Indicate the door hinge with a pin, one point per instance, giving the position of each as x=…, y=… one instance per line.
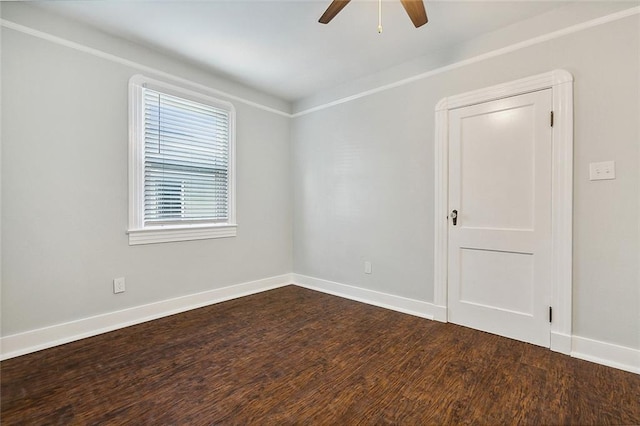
x=551, y=119
x=550, y=313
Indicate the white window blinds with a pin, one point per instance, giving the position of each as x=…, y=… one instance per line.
x=186, y=160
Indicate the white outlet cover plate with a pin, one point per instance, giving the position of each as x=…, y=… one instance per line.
x=604, y=170
x=118, y=285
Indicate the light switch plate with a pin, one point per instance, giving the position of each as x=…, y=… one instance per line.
x=602, y=171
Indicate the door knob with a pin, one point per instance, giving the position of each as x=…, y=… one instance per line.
x=454, y=217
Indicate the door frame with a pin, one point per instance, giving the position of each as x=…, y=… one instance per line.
x=560, y=291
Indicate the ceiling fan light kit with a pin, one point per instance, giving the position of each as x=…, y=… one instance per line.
x=414, y=8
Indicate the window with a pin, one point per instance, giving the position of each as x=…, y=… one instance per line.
x=181, y=157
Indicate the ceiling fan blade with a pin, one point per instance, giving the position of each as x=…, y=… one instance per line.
x=415, y=10
x=334, y=8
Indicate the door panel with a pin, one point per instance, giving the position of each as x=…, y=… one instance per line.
x=498, y=279
x=497, y=178
x=500, y=185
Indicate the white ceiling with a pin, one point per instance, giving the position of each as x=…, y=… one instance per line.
x=280, y=48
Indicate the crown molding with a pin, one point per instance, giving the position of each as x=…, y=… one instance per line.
x=488, y=55
x=136, y=65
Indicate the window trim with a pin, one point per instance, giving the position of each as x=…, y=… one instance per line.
x=137, y=231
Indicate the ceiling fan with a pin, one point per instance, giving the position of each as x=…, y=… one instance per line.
x=415, y=9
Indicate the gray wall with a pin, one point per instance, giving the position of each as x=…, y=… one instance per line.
x=65, y=192
x=364, y=178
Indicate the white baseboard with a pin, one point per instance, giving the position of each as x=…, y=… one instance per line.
x=384, y=300
x=620, y=357
x=608, y=354
x=59, y=334
x=560, y=343
x=440, y=313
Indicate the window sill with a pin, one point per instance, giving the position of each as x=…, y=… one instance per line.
x=166, y=234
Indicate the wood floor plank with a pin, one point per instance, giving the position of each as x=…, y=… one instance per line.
x=295, y=356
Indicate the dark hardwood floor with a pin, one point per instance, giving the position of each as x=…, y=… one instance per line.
x=294, y=356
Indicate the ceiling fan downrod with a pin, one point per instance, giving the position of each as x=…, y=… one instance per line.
x=414, y=8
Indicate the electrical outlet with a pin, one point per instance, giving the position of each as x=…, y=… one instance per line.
x=367, y=267
x=602, y=171
x=118, y=285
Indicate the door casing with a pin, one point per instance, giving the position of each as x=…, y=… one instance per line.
x=561, y=83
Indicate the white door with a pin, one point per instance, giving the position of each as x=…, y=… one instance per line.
x=500, y=245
